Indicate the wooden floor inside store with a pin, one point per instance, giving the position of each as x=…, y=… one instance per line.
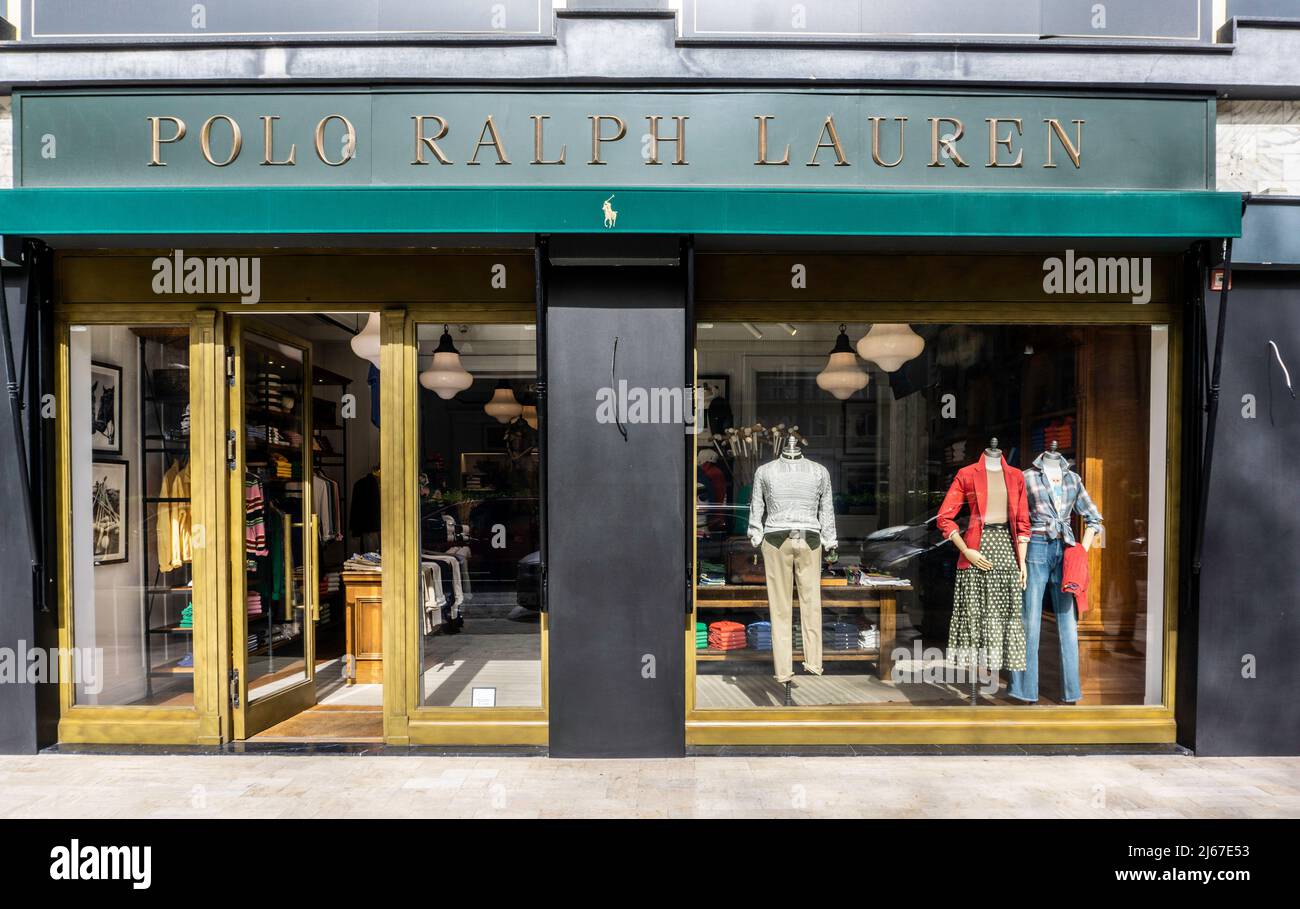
x=329, y=723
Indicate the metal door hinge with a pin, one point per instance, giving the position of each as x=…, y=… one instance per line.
x=230, y=449
x=230, y=366
x=234, y=687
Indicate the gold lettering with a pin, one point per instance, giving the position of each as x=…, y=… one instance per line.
x=349, y=148
x=597, y=135
x=762, y=142
x=489, y=126
x=949, y=142
x=995, y=141
x=537, y=142
x=205, y=140
x=268, y=145
x=155, y=129
x=430, y=142
x=828, y=129
x=875, y=141
x=679, y=140
x=1074, y=150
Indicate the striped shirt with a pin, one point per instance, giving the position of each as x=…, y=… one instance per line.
x=1049, y=514
x=792, y=494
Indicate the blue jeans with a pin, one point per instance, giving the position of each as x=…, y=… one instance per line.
x=1043, y=561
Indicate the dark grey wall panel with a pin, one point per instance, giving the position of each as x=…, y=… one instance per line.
x=1270, y=233
x=1250, y=584
x=1265, y=9
x=17, y=625
x=616, y=520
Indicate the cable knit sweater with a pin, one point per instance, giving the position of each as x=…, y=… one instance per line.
x=792, y=494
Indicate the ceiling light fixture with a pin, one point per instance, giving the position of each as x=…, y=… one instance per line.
x=842, y=375
x=446, y=376
x=889, y=346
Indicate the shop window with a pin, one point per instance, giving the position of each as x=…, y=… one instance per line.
x=479, y=574
x=861, y=437
x=131, y=561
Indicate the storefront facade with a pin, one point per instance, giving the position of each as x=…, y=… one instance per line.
x=585, y=311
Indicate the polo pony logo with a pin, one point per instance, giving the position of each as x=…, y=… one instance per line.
x=611, y=216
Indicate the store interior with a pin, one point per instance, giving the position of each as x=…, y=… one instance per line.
x=893, y=412
x=310, y=383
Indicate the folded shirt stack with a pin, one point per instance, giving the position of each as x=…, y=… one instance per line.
x=759, y=636
x=839, y=636
x=701, y=636
x=869, y=638
x=254, y=603
x=727, y=636
x=187, y=616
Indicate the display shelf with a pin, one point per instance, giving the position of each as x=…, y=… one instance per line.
x=173, y=628
x=747, y=655
x=835, y=594
x=172, y=667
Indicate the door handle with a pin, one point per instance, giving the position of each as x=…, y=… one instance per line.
x=312, y=580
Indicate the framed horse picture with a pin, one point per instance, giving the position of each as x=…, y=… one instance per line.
x=106, y=408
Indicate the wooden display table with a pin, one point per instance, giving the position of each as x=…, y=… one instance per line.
x=364, y=599
x=836, y=594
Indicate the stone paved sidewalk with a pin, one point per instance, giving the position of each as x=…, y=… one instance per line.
x=269, y=786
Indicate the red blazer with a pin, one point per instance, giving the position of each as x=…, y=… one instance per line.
x=971, y=489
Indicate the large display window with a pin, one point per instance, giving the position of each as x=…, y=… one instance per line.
x=131, y=518
x=930, y=514
x=479, y=566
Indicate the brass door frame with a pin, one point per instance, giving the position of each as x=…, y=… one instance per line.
x=204, y=723
x=891, y=724
x=248, y=719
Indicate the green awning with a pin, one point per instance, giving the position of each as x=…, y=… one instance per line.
x=42, y=212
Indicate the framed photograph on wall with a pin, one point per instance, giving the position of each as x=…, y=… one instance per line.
x=716, y=385
x=860, y=428
x=106, y=408
x=109, y=504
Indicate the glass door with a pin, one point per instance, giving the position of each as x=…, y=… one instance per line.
x=274, y=539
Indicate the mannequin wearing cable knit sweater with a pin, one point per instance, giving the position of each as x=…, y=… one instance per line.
x=792, y=519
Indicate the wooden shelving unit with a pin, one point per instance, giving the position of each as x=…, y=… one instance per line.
x=835, y=595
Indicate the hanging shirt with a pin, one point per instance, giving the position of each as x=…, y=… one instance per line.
x=792, y=494
x=166, y=545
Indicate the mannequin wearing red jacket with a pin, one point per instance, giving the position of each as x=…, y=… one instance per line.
x=986, y=628
x=970, y=489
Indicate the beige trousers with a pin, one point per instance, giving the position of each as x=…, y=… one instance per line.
x=794, y=562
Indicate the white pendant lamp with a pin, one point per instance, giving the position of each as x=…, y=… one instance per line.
x=842, y=375
x=530, y=415
x=890, y=346
x=366, y=344
x=446, y=377
x=504, y=406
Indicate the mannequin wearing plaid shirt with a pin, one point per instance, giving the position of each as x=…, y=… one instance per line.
x=1051, y=504
x=1055, y=492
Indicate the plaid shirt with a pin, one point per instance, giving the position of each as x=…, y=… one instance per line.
x=1044, y=518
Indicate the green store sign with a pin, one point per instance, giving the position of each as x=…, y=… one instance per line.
x=527, y=138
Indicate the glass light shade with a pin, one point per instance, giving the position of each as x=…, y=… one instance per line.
x=842, y=375
x=366, y=344
x=890, y=346
x=446, y=377
x=530, y=415
x=503, y=406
